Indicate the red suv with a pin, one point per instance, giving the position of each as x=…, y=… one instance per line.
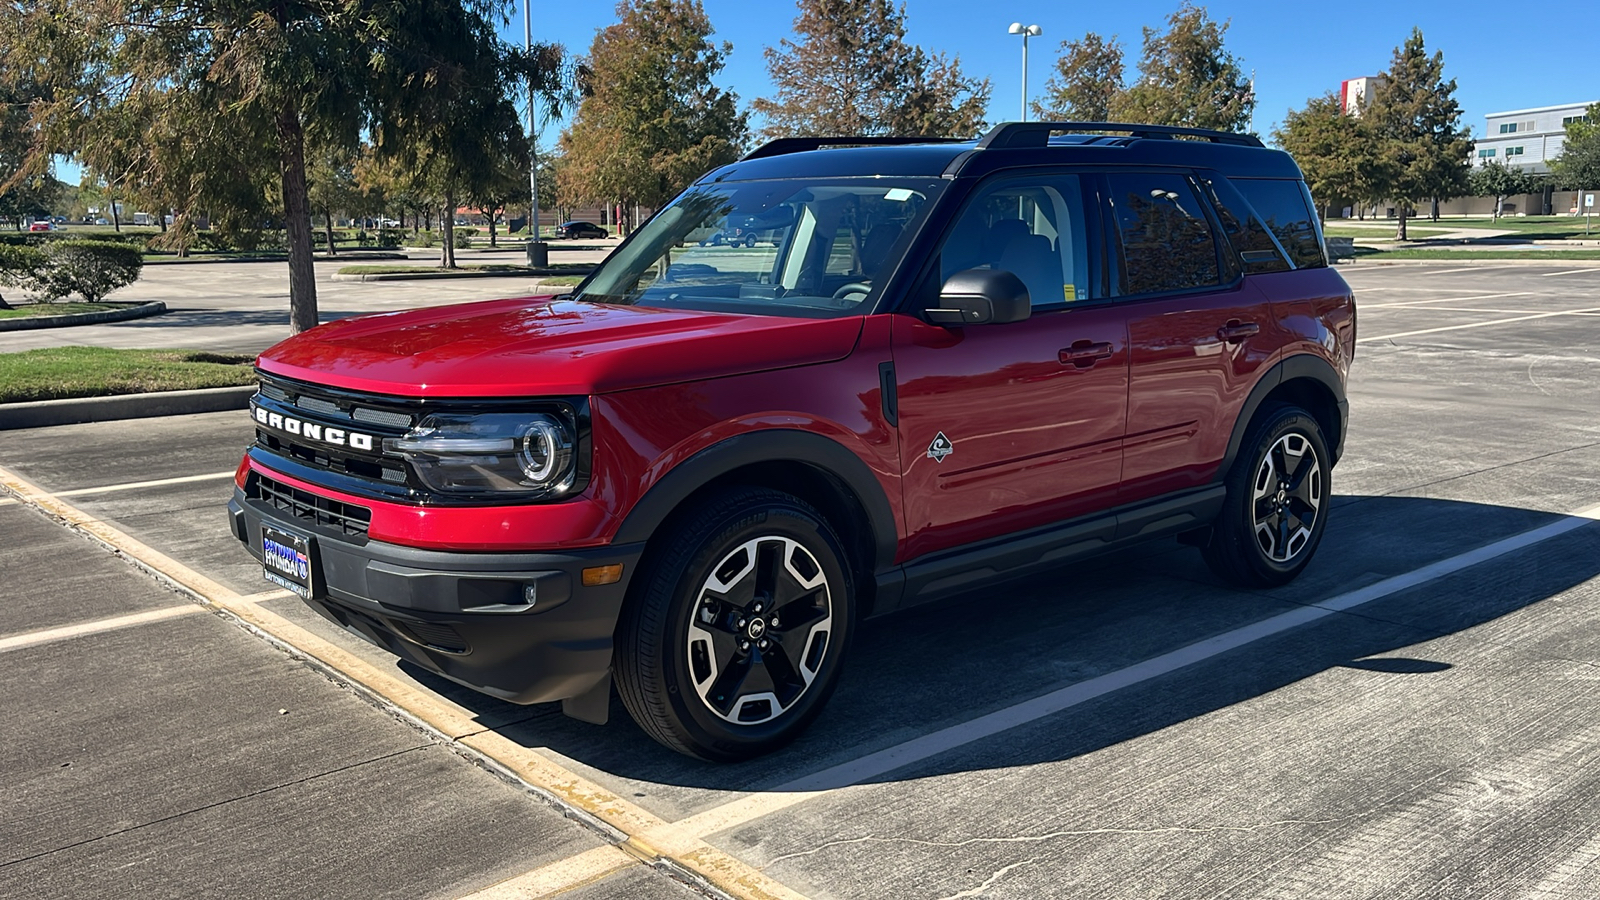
x=957, y=362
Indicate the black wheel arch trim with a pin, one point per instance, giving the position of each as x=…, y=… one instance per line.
x=1299, y=366
x=776, y=445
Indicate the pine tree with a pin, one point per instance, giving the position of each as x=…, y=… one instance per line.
x=1087, y=82
x=1187, y=77
x=652, y=121
x=852, y=73
x=1420, y=143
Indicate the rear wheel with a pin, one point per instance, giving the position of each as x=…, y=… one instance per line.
x=734, y=638
x=1277, y=505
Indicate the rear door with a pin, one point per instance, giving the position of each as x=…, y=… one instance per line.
x=1007, y=427
x=1198, y=332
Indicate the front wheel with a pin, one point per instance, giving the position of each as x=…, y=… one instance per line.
x=1277, y=504
x=735, y=636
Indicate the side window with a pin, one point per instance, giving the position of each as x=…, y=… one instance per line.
x=1250, y=239
x=1033, y=228
x=1167, y=242
x=1286, y=210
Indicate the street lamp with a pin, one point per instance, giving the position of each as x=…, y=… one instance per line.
x=1026, y=31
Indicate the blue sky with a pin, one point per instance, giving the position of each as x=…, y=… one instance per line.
x=1503, y=55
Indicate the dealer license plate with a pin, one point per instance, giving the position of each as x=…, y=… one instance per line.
x=286, y=559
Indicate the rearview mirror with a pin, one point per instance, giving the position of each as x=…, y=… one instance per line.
x=981, y=297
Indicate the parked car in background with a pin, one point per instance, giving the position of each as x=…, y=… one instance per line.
x=572, y=230
x=39, y=226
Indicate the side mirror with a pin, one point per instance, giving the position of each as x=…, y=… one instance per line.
x=981, y=297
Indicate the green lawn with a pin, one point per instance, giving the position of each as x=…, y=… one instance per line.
x=1438, y=253
x=61, y=372
x=1531, y=227
x=1380, y=234
x=54, y=309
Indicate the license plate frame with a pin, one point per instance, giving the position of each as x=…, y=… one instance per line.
x=288, y=560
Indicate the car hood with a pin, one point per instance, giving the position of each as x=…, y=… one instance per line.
x=541, y=346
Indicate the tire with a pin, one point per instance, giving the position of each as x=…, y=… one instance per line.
x=1277, y=504
x=736, y=629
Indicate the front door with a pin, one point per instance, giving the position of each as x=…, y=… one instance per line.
x=1008, y=427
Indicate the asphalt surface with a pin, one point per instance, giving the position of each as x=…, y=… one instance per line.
x=243, y=307
x=1416, y=716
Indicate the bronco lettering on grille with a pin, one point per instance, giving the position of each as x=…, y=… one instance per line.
x=337, y=437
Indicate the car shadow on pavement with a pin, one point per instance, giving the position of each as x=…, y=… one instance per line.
x=931, y=667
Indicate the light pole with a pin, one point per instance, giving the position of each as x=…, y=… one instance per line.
x=1026, y=31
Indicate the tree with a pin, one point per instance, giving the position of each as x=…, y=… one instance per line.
x=1332, y=149
x=1578, y=166
x=1416, y=123
x=1498, y=180
x=852, y=73
x=272, y=73
x=1187, y=78
x=1087, y=82
x=652, y=121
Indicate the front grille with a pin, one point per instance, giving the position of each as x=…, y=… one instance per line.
x=324, y=409
x=321, y=512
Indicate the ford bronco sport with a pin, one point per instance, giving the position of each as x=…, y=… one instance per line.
x=957, y=362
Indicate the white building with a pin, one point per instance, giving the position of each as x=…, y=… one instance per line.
x=1527, y=138
x=1355, y=94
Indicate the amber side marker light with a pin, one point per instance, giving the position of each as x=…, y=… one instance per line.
x=598, y=575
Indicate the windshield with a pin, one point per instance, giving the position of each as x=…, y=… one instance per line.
x=784, y=248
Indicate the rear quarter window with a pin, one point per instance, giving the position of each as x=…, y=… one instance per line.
x=1286, y=210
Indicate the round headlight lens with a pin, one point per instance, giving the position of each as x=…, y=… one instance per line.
x=540, y=451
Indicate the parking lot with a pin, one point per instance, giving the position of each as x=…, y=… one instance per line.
x=1417, y=716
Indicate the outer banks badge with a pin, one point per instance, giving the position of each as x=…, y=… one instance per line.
x=940, y=448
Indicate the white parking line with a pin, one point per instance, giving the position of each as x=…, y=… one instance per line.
x=1568, y=272
x=842, y=776
x=99, y=626
x=1401, y=334
x=563, y=875
x=134, y=485
x=1470, y=269
x=1366, y=307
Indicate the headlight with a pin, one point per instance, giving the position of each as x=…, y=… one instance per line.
x=491, y=453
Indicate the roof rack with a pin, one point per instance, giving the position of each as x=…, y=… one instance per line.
x=1037, y=134
x=780, y=146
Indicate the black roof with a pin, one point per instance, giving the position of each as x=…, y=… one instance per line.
x=1008, y=145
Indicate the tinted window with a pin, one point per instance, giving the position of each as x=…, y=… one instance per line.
x=1256, y=249
x=1032, y=228
x=1286, y=210
x=1167, y=243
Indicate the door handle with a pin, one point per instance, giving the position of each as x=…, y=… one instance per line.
x=1084, y=354
x=1236, y=331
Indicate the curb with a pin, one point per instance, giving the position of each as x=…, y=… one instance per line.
x=44, y=413
x=134, y=311
x=1487, y=263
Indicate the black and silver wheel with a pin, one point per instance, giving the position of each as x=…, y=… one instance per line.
x=1277, y=504
x=733, y=640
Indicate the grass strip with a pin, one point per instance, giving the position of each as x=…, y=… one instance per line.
x=1425, y=253
x=58, y=373
x=55, y=309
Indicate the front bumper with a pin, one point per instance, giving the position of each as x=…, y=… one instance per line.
x=465, y=616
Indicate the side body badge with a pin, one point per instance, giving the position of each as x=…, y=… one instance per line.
x=940, y=448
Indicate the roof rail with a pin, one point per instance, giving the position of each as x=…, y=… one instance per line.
x=1037, y=134
x=780, y=146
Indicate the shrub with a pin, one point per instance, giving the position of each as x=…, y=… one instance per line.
x=90, y=269
x=21, y=265
x=464, y=237
x=390, y=237
x=423, y=239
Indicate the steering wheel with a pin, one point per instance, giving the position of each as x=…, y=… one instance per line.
x=854, y=287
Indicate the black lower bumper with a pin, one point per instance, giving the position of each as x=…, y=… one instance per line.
x=518, y=626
